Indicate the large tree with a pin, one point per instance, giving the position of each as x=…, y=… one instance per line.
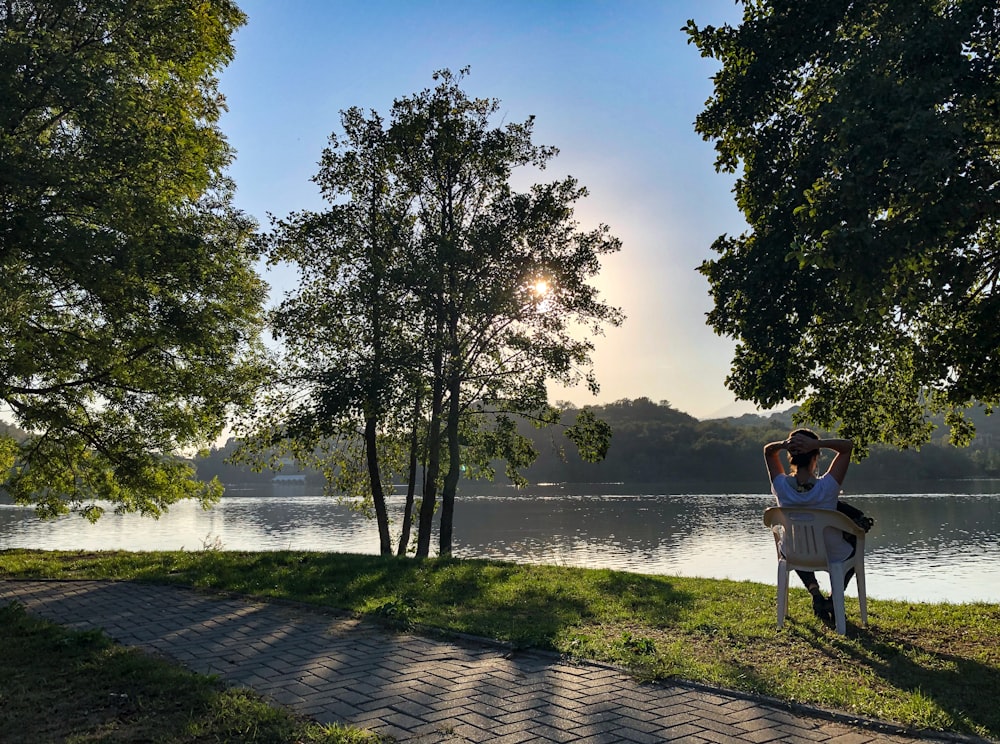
x=129, y=306
x=866, y=136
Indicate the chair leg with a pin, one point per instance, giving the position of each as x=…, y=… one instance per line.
x=782, y=591
x=837, y=595
x=859, y=578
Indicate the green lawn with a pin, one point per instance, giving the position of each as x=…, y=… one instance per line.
x=926, y=666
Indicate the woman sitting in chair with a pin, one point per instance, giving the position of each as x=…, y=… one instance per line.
x=801, y=487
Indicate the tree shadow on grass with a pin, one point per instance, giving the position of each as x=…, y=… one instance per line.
x=957, y=692
x=655, y=600
x=535, y=605
x=963, y=688
x=525, y=605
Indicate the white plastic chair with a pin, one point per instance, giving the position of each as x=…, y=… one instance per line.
x=798, y=538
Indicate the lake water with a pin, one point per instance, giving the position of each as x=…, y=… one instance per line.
x=930, y=547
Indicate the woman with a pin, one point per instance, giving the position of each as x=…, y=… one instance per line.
x=801, y=487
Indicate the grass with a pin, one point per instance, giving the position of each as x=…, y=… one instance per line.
x=76, y=687
x=925, y=666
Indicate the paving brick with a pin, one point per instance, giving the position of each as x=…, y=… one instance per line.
x=747, y=715
x=516, y=716
x=598, y=713
x=764, y=735
x=717, y=736
x=722, y=727
x=403, y=721
x=737, y=704
x=342, y=711
x=637, y=712
x=598, y=727
x=557, y=715
x=608, y=737
x=442, y=714
x=484, y=709
x=852, y=737
x=670, y=707
x=514, y=737
x=553, y=733
x=494, y=693
x=529, y=692
x=604, y=688
x=511, y=729
x=684, y=729
x=427, y=731
x=805, y=732
x=634, y=736
x=470, y=732
x=368, y=716
x=392, y=733
x=474, y=719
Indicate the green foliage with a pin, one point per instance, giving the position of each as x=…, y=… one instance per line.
x=128, y=300
x=866, y=141
x=591, y=435
x=488, y=437
x=8, y=453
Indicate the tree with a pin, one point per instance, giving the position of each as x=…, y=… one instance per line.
x=867, y=133
x=435, y=301
x=504, y=279
x=345, y=331
x=129, y=307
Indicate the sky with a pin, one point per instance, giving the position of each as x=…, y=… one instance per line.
x=612, y=83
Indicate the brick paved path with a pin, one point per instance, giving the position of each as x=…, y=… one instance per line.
x=335, y=668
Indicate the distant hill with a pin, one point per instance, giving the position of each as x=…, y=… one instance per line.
x=652, y=442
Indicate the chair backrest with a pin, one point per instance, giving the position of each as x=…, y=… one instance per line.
x=799, y=533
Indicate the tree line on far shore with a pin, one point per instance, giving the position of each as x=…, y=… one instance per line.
x=655, y=443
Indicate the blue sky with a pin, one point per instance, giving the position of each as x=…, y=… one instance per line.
x=613, y=84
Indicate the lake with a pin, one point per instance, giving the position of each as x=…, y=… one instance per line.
x=933, y=547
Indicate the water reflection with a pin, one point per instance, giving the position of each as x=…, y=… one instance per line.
x=925, y=547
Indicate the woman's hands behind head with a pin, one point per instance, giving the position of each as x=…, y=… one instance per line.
x=799, y=443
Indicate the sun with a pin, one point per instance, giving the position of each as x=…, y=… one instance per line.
x=540, y=287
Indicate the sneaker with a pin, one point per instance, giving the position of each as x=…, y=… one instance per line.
x=822, y=607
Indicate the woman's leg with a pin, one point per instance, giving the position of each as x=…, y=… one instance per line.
x=809, y=579
x=822, y=607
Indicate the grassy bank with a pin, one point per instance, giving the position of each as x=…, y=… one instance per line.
x=926, y=666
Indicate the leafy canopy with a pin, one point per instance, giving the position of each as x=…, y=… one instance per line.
x=128, y=299
x=866, y=139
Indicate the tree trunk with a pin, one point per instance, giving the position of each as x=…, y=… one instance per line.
x=454, y=467
x=428, y=501
x=378, y=495
x=429, y=498
x=411, y=480
x=373, y=414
